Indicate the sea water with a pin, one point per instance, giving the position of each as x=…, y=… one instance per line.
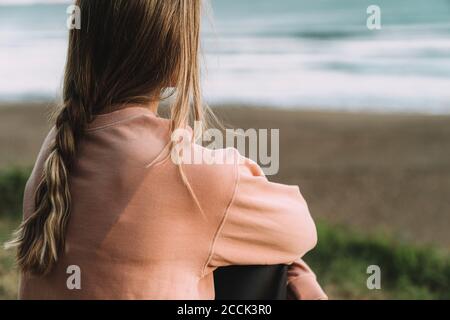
x=316, y=54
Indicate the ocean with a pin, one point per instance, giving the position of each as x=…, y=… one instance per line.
x=316, y=54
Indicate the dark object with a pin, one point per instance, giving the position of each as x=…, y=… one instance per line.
x=251, y=283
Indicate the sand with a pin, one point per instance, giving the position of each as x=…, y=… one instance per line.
x=373, y=172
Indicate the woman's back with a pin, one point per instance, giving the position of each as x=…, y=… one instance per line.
x=136, y=231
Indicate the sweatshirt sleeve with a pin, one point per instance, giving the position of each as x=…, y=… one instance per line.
x=302, y=283
x=265, y=224
x=36, y=174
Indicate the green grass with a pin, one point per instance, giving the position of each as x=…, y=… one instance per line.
x=407, y=272
x=8, y=275
x=12, y=185
x=340, y=260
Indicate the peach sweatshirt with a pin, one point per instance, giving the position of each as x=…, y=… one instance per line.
x=136, y=232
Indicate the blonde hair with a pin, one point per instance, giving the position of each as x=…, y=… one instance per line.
x=125, y=52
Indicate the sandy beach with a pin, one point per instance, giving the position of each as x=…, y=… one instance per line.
x=374, y=172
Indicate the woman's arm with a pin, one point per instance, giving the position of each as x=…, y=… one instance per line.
x=302, y=283
x=265, y=224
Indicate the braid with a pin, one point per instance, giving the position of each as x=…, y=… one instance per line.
x=41, y=238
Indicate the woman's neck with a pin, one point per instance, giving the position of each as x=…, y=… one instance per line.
x=152, y=106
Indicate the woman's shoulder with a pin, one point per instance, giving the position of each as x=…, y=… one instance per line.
x=213, y=170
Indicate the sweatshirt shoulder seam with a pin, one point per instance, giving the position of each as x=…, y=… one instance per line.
x=224, y=218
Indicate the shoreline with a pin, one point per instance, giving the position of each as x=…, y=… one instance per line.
x=4, y=105
x=374, y=172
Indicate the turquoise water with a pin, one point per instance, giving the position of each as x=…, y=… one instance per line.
x=292, y=53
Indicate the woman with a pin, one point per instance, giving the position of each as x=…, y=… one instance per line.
x=105, y=197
